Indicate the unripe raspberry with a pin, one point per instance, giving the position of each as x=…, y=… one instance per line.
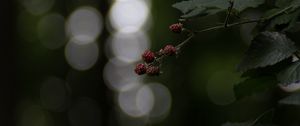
x=148, y=56
x=177, y=28
x=140, y=69
x=169, y=50
x=152, y=70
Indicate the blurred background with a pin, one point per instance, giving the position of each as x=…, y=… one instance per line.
x=70, y=63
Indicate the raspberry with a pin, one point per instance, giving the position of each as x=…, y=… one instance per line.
x=140, y=69
x=177, y=28
x=169, y=50
x=153, y=70
x=148, y=56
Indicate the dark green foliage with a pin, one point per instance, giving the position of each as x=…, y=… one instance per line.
x=254, y=85
x=291, y=74
x=193, y=8
x=293, y=99
x=268, y=60
x=268, y=70
x=267, y=48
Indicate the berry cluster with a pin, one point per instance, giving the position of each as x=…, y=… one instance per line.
x=152, y=59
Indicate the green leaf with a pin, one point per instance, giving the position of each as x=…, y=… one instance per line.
x=186, y=6
x=254, y=85
x=241, y=5
x=193, y=8
x=295, y=28
x=291, y=74
x=293, y=99
x=282, y=21
x=286, y=20
x=268, y=70
x=267, y=48
x=284, y=3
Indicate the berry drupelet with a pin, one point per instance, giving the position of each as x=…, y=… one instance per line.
x=148, y=56
x=169, y=50
x=140, y=69
x=176, y=28
x=153, y=70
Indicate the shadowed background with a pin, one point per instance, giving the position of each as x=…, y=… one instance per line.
x=70, y=63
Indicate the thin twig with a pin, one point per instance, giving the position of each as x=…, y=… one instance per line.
x=185, y=41
x=222, y=26
x=229, y=25
x=279, y=12
x=228, y=12
x=260, y=116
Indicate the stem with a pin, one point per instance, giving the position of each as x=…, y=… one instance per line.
x=279, y=12
x=185, y=41
x=228, y=13
x=260, y=116
x=229, y=25
x=211, y=29
x=222, y=26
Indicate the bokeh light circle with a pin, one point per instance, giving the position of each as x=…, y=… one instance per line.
x=120, y=76
x=30, y=114
x=220, y=87
x=85, y=24
x=128, y=47
x=129, y=16
x=163, y=101
x=145, y=99
x=51, y=31
x=81, y=56
x=137, y=102
x=37, y=7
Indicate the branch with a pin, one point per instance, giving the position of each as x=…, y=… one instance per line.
x=260, y=116
x=279, y=12
x=185, y=41
x=229, y=25
x=228, y=12
x=226, y=25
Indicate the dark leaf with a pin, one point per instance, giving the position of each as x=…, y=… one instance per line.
x=268, y=70
x=281, y=22
x=254, y=85
x=286, y=3
x=193, y=8
x=267, y=48
x=293, y=99
x=291, y=74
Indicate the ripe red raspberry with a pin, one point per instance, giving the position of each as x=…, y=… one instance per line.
x=140, y=69
x=177, y=28
x=148, y=56
x=153, y=70
x=169, y=50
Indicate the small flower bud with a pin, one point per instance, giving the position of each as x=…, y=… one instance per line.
x=148, y=56
x=176, y=28
x=169, y=50
x=152, y=70
x=140, y=69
